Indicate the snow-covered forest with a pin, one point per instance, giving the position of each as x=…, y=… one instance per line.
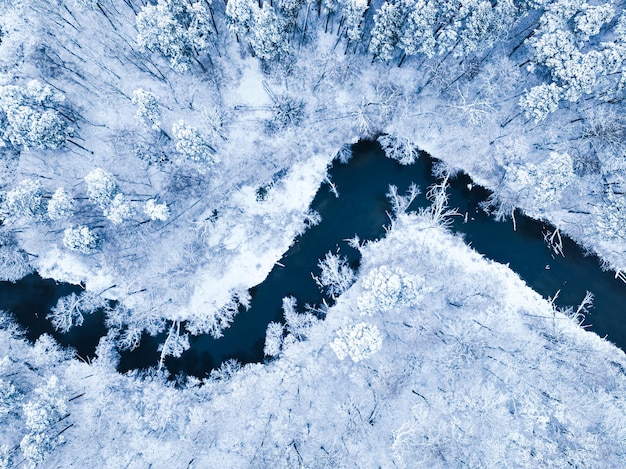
x=164, y=154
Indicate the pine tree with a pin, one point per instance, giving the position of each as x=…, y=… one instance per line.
x=540, y=101
x=387, y=31
x=42, y=413
x=418, y=34
x=61, y=205
x=192, y=146
x=30, y=118
x=268, y=37
x=354, y=10
x=101, y=187
x=178, y=30
x=80, y=239
x=148, y=108
x=240, y=15
x=24, y=200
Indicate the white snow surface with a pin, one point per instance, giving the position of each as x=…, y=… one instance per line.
x=475, y=370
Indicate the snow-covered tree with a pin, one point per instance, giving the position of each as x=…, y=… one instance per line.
x=545, y=181
x=70, y=310
x=540, y=101
x=354, y=10
x=80, y=239
x=480, y=23
x=175, y=343
x=388, y=287
x=47, y=352
x=297, y=325
x=387, y=31
x=418, y=32
x=43, y=412
x=398, y=148
x=118, y=210
x=148, y=108
x=336, y=276
x=289, y=9
x=101, y=187
x=268, y=37
x=590, y=20
x=34, y=129
x=61, y=205
x=240, y=15
x=14, y=262
x=192, y=146
x=358, y=341
x=156, y=211
x=273, y=339
x=66, y=313
x=24, y=200
x=30, y=116
x=10, y=399
x=178, y=30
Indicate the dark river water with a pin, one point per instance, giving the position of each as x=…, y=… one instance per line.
x=361, y=209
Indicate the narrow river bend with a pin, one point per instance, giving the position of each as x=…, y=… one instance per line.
x=361, y=209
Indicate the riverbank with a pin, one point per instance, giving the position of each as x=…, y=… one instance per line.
x=456, y=361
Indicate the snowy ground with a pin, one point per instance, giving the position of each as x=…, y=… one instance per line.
x=435, y=357
x=274, y=126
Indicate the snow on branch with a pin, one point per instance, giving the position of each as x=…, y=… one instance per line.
x=337, y=275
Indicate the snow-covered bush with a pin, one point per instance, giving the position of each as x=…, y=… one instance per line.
x=80, y=239
x=357, y=341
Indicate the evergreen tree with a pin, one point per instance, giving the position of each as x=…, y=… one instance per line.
x=178, y=30
x=61, y=205
x=24, y=200
x=387, y=31
x=42, y=413
x=148, y=109
x=101, y=187
x=268, y=37
x=354, y=10
x=240, y=15
x=192, y=146
x=418, y=33
x=30, y=116
x=80, y=239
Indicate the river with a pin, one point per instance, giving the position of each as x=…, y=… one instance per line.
x=361, y=209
